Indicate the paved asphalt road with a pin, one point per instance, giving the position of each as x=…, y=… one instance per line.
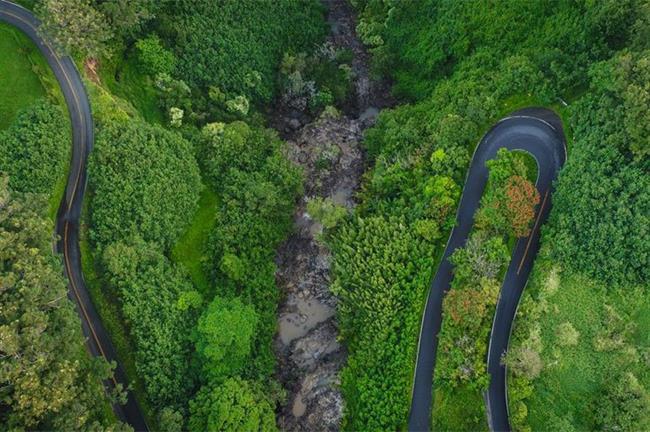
x=67, y=222
x=539, y=132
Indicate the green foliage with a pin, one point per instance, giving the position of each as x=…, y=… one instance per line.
x=381, y=272
x=468, y=311
x=316, y=81
x=418, y=43
x=154, y=59
x=224, y=337
x=238, y=45
x=257, y=197
x=325, y=211
x=600, y=218
x=47, y=380
x=33, y=150
x=150, y=288
x=578, y=387
x=144, y=180
x=76, y=27
x=124, y=78
x=624, y=405
x=235, y=405
x=509, y=200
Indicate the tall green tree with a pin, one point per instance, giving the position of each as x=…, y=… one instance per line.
x=33, y=150
x=150, y=290
x=145, y=180
x=47, y=379
x=224, y=337
x=235, y=405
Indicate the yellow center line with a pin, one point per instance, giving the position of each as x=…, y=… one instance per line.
x=74, y=288
x=530, y=237
x=74, y=189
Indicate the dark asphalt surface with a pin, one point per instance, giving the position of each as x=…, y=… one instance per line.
x=539, y=132
x=67, y=222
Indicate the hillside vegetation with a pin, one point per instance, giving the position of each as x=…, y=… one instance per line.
x=190, y=194
x=465, y=64
x=181, y=149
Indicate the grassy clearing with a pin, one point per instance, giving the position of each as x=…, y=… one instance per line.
x=111, y=317
x=21, y=86
x=125, y=80
x=188, y=251
x=572, y=377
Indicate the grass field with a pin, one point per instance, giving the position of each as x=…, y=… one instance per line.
x=188, y=251
x=21, y=86
x=573, y=377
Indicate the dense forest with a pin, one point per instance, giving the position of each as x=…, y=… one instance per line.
x=463, y=65
x=191, y=192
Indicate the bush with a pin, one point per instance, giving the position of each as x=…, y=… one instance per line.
x=154, y=59
x=238, y=46
x=235, y=405
x=149, y=289
x=381, y=273
x=33, y=150
x=224, y=337
x=144, y=180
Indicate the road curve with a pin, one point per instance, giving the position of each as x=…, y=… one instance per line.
x=539, y=132
x=67, y=220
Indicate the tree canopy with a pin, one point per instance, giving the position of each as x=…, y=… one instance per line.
x=47, y=379
x=144, y=180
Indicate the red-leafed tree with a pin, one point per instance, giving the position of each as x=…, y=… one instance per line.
x=521, y=198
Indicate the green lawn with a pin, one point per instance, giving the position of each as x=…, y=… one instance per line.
x=188, y=251
x=572, y=376
x=21, y=86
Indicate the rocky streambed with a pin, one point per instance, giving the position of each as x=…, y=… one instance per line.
x=329, y=151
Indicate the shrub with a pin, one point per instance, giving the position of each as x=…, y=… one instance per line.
x=235, y=405
x=33, y=150
x=153, y=58
x=149, y=289
x=144, y=180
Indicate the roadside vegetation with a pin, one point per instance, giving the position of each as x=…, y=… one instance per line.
x=579, y=355
x=463, y=65
x=189, y=194
x=505, y=214
x=45, y=384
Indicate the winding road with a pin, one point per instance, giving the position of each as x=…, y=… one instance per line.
x=539, y=132
x=67, y=220
x=535, y=130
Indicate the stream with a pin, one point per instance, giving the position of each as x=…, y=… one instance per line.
x=309, y=354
